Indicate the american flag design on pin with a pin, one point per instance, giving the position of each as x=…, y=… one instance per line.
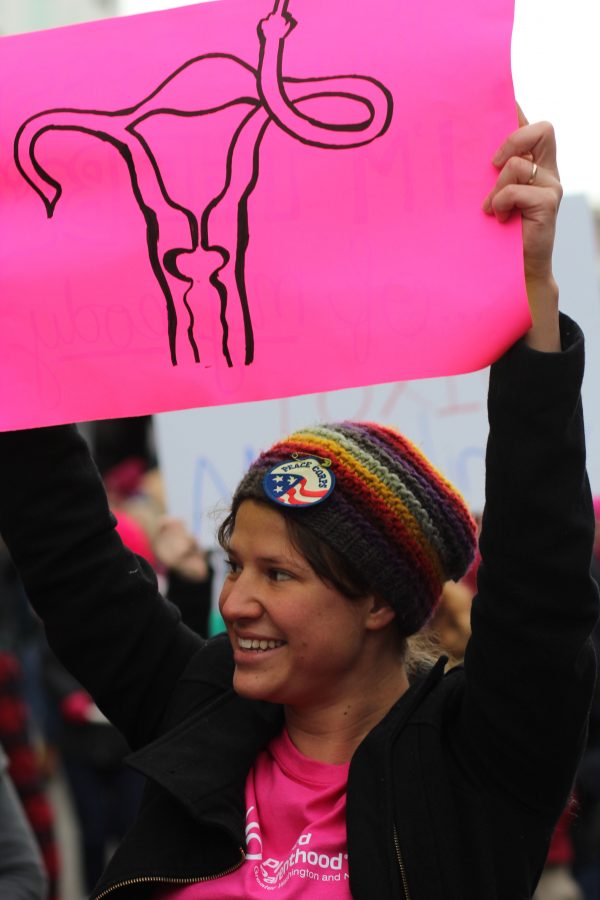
x=300, y=482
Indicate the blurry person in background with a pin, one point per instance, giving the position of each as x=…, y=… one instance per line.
x=22, y=875
x=21, y=637
x=187, y=570
x=450, y=625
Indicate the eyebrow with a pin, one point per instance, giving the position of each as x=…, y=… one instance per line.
x=279, y=561
x=286, y=561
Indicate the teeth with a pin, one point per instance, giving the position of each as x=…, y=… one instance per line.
x=259, y=646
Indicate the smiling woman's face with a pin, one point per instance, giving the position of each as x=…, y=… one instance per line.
x=296, y=640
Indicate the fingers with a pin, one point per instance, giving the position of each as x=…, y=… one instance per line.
x=518, y=171
x=528, y=183
x=515, y=190
x=537, y=202
x=537, y=141
x=528, y=180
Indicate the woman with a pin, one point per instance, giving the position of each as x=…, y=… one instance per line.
x=295, y=754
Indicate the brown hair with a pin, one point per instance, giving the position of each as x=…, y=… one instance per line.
x=329, y=564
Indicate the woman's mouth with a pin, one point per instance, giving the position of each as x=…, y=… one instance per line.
x=258, y=645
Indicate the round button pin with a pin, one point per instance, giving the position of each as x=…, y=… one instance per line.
x=299, y=482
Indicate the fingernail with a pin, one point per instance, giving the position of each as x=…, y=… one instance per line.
x=497, y=158
x=487, y=205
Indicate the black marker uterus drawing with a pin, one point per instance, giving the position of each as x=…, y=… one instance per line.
x=216, y=242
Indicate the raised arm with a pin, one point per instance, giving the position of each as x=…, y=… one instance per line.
x=529, y=183
x=530, y=665
x=104, y=617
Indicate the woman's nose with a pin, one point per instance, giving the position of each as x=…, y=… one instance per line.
x=239, y=599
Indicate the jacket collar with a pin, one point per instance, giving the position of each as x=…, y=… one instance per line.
x=211, y=751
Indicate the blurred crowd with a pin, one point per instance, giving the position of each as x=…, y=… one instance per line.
x=51, y=729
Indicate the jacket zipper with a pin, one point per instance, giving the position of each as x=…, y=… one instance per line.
x=401, y=865
x=158, y=879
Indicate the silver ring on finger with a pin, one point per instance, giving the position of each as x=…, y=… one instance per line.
x=534, y=172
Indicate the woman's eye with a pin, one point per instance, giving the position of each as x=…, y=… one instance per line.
x=279, y=575
x=231, y=567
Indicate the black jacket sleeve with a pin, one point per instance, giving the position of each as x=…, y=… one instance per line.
x=103, y=613
x=530, y=665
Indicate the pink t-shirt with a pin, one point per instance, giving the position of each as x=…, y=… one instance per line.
x=295, y=831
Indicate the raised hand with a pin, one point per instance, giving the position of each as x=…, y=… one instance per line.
x=178, y=550
x=529, y=183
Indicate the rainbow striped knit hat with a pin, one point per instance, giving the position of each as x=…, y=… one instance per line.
x=391, y=514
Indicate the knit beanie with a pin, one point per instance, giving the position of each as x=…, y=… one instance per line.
x=383, y=507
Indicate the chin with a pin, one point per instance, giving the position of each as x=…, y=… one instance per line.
x=255, y=690
x=252, y=689
x=270, y=694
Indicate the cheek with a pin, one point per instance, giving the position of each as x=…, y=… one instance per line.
x=336, y=637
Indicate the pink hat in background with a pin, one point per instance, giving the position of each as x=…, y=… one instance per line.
x=597, y=507
x=133, y=536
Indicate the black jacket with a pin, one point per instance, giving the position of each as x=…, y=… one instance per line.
x=454, y=795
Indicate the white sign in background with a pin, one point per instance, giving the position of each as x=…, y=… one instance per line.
x=30, y=15
x=203, y=453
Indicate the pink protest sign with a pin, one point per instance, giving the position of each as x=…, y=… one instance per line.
x=222, y=203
